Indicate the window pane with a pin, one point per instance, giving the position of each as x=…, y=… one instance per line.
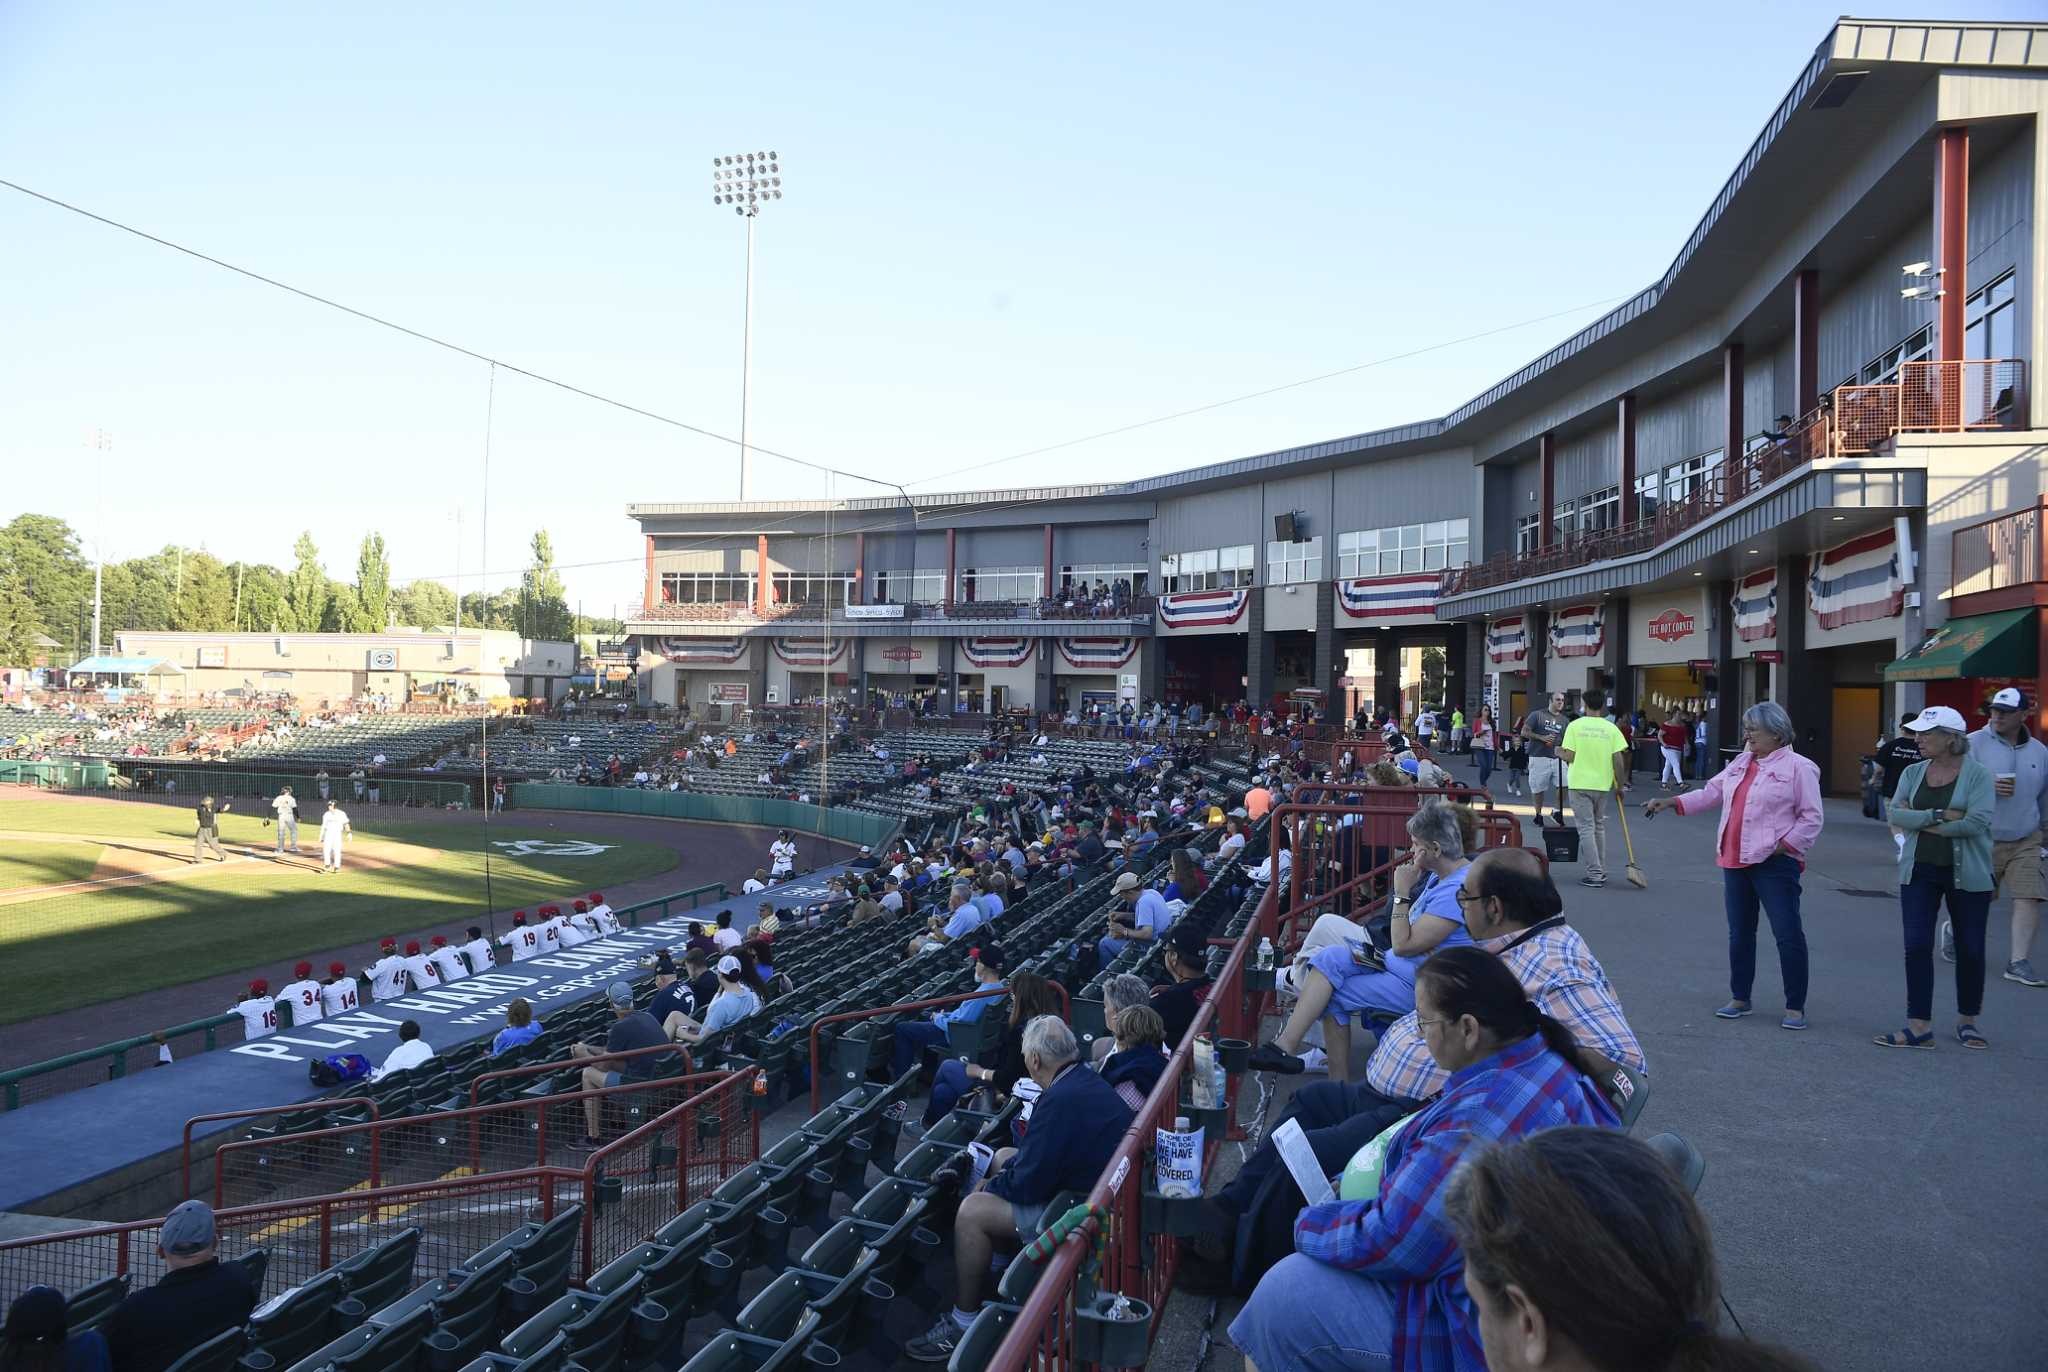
x=1461, y=528
x=1459, y=554
x=1434, y=533
x=1411, y=559
x=1433, y=558
x=1411, y=535
x=1390, y=562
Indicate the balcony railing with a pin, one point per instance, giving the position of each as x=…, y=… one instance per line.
x=1929, y=397
x=1999, y=553
x=740, y=612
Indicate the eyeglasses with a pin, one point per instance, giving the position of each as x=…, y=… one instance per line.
x=1421, y=1023
x=1465, y=896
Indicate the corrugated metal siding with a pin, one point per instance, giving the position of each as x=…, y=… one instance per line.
x=1763, y=399
x=994, y=548
x=1101, y=545
x=819, y=554
x=1308, y=495
x=2001, y=210
x=1587, y=462
x=699, y=559
x=1210, y=519
x=1402, y=489
x=1865, y=316
x=1679, y=425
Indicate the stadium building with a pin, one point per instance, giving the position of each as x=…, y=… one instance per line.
x=1804, y=465
x=399, y=664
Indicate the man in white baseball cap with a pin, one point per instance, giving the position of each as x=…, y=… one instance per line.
x=2018, y=763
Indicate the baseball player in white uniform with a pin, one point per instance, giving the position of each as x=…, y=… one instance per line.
x=550, y=930
x=574, y=933
x=387, y=973
x=447, y=961
x=303, y=995
x=601, y=914
x=782, y=856
x=334, y=827
x=338, y=996
x=287, y=809
x=523, y=942
x=258, y=1011
x=418, y=969
x=478, y=951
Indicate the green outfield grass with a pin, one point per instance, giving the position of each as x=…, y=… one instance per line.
x=82, y=947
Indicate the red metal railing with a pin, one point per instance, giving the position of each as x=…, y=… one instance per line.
x=537, y=1069
x=908, y=1006
x=255, y=1112
x=1998, y=553
x=702, y=1141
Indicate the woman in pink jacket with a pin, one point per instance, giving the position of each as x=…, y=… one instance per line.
x=1769, y=798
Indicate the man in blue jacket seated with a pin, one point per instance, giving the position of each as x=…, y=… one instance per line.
x=1074, y=1132
x=913, y=1036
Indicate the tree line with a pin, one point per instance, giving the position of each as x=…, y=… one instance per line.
x=46, y=593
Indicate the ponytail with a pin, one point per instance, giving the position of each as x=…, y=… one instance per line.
x=1560, y=1041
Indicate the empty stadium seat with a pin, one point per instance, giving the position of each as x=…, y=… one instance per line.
x=465, y=1310
x=217, y=1354
x=541, y=1255
x=305, y=1318
x=731, y=1351
x=596, y=1325
x=393, y=1347
x=90, y=1305
x=377, y=1276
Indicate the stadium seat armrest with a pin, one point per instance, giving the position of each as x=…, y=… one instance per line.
x=351, y=1310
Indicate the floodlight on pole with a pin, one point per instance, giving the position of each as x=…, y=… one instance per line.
x=747, y=181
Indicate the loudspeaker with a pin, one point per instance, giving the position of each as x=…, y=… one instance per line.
x=1285, y=529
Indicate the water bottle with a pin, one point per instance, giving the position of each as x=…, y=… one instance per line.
x=1265, y=955
x=1222, y=1080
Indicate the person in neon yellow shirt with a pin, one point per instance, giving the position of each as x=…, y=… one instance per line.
x=1591, y=749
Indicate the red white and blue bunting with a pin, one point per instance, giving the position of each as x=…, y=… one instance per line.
x=1578, y=631
x=1507, y=642
x=1755, y=603
x=698, y=652
x=1857, y=581
x=1097, y=654
x=997, y=652
x=1202, y=609
x=1408, y=596
x=812, y=654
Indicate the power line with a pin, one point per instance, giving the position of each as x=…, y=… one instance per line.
x=425, y=337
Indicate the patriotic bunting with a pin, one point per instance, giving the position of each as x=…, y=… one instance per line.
x=698, y=652
x=1197, y=609
x=1578, y=631
x=1857, y=581
x=1409, y=596
x=810, y=653
x=1097, y=654
x=1756, y=606
x=996, y=652
x=1507, y=642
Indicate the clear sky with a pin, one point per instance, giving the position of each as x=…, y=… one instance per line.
x=1003, y=229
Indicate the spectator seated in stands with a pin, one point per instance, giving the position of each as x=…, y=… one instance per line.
x=1140, y=1057
x=1514, y=1071
x=1348, y=979
x=1031, y=995
x=1188, y=982
x=412, y=1050
x=961, y=918
x=198, y=1297
x=1514, y=911
x=738, y=996
x=1140, y=916
x=672, y=995
x=37, y=1337
x=1553, y=1225
x=1119, y=994
x=913, y=1036
x=519, y=1029
x=1075, y=1129
x=630, y=1029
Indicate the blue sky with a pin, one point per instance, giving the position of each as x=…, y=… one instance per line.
x=1002, y=230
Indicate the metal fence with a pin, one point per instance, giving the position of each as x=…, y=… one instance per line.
x=851, y=826
x=184, y=782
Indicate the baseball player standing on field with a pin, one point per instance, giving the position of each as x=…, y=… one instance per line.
x=287, y=819
x=333, y=828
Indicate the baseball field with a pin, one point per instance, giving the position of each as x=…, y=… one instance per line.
x=101, y=898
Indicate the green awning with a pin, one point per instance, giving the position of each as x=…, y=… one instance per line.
x=1981, y=645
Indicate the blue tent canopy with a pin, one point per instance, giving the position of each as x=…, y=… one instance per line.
x=125, y=666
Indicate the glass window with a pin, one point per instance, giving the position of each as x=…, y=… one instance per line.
x=1000, y=583
x=810, y=588
x=911, y=588
x=1289, y=563
x=1599, y=511
x=706, y=588
x=1403, y=548
x=1528, y=534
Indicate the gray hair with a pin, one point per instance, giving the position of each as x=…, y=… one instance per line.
x=1048, y=1039
x=1958, y=741
x=963, y=888
x=1436, y=822
x=1770, y=716
x=1125, y=990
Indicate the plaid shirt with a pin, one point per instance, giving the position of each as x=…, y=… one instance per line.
x=1401, y=1238
x=1563, y=978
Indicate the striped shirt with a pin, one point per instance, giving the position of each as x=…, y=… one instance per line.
x=1561, y=975
x=1401, y=1237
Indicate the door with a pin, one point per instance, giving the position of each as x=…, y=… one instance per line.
x=1855, y=730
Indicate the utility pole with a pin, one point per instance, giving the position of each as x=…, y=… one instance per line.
x=103, y=442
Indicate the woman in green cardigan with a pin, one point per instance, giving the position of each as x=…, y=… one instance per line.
x=1941, y=812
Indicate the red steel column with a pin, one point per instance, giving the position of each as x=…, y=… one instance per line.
x=1546, y=457
x=952, y=537
x=647, y=597
x=1951, y=238
x=1625, y=436
x=860, y=557
x=1805, y=342
x=1052, y=585
x=764, y=589
x=1731, y=403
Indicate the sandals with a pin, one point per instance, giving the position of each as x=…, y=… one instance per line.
x=1967, y=1035
x=1905, y=1038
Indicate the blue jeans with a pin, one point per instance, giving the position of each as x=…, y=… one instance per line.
x=947, y=1089
x=912, y=1038
x=1773, y=884
x=1485, y=756
x=1920, y=900
x=1307, y=1316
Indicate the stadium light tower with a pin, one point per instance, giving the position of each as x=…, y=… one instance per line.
x=747, y=181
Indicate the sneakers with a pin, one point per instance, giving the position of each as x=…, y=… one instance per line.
x=1592, y=881
x=1315, y=1060
x=1948, y=941
x=938, y=1342
x=1794, y=1019
x=2022, y=972
x=1271, y=1057
x=1734, y=1009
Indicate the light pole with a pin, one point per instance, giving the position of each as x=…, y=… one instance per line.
x=747, y=181
x=103, y=442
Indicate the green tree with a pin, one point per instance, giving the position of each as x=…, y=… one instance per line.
x=373, y=586
x=261, y=599
x=423, y=604
x=50, y=570
x=18, y=622
x=543, y=606
x=306, y=593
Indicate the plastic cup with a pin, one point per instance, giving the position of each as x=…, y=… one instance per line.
x=2006, y=782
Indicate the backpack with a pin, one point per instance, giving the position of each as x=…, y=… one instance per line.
x=338, y=1068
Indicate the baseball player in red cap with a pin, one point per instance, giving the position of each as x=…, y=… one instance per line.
x=447, y=961
x=577, y=928
x=419, y=969
x=523, y=942
x=303, y=995
x=387, y=973
x=339, y=994
x=258, y=1011
x=607, y=922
